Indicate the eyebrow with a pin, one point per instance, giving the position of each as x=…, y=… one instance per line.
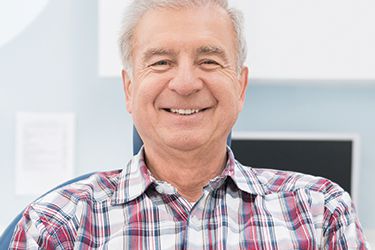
x=212, y=50
x=203, y=50
x=157, y=52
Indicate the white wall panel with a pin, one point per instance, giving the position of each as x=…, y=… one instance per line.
x=16, y=15
x=287, y=39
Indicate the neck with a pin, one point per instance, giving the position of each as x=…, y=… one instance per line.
x=187, y=171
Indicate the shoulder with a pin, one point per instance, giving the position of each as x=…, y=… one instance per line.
x=316, y=191
x=330, y=206
x=65, y=203
x=278, y=181
x=53, y=220
x=287, y=181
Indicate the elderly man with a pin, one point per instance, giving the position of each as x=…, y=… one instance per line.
x=185, y=85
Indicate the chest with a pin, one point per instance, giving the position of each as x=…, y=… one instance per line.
x=217, y=221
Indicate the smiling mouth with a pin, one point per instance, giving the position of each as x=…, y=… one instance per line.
x=185, y=111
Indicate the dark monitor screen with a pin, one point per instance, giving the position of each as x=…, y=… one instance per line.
x=331, y=158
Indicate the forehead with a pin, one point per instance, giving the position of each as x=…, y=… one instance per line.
x=184, y=29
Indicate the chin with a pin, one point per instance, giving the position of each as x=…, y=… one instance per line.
x=185, y=143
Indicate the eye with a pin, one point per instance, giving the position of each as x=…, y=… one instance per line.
x=210, y=64
x=160, y=65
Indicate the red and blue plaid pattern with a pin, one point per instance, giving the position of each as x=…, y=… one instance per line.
x=243, y=208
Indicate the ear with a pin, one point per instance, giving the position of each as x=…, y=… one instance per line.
x=128, y=89
x=244, y=80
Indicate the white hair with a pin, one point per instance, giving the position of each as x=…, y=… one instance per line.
x=138, y=8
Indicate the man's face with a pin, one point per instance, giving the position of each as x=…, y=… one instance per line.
x=185, y=93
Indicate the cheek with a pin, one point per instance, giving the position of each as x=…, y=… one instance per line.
x=147, y=92
x=225, y=88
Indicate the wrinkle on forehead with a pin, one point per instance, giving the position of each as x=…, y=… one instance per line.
x=166, y=32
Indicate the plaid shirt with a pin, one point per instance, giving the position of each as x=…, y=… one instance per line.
x=243, y=208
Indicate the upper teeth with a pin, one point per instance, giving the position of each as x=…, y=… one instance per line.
x=185, y=111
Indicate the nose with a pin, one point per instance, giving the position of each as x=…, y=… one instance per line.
x=186, y=81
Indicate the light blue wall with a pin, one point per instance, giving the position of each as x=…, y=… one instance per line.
x=52, y=66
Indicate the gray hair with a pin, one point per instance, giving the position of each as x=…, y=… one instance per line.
x=138, y=8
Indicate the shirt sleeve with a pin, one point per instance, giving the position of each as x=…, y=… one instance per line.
x=34, y=231
x=342, y=229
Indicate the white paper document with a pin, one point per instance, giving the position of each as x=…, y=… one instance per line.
x=44, y=151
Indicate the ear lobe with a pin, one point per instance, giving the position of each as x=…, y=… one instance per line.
x=244, y=80
x=128, y=89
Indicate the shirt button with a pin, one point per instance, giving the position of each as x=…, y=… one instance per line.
x=159, y=189
x=169, y=189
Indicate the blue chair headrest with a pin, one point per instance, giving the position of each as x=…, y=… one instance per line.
x=137, y=141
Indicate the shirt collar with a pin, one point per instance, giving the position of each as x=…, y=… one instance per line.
x=136, y=178
x=133, y=181
x=244, y=177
